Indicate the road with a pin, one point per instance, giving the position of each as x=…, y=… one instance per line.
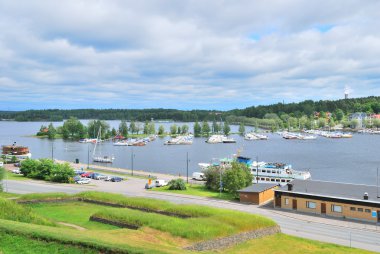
x=341, y=232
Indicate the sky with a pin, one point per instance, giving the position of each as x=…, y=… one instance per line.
x=185, y=54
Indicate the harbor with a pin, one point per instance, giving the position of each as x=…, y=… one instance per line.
x=352, y=160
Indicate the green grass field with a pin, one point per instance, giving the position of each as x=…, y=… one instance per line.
x=197, y=190
x=15, y=244
x=10, y=176
x=34, y=228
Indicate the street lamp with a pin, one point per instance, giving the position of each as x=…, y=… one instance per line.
x=132, y=156
x=187, y=167
x=88, y=156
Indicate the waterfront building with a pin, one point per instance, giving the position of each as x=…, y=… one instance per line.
x=257, y=194
x=343, y=200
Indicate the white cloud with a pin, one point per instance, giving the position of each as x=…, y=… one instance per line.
x=186, y=54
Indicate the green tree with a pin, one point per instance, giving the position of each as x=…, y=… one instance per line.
x=161, y=130
x=236, y=178
x=215, y=127
x=113, y=132
x=213, y=177
x=185, y=129
x=132, y=127
x=73, y=129
x=321, y=122
x=376, y=123
x=123, y=128
x=226, y=128
x=146, y=128
x=151, y=128
x=179, y=130
x=197, y=129
x=241, y=128
x=61, y=173
x=94, y=126
x=339, y=114
x=51, y=131
x=173, y=129
x=205, y=128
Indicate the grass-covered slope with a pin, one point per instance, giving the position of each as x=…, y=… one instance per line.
x=10, y=210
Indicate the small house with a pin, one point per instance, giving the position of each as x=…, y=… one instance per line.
x=258, y=193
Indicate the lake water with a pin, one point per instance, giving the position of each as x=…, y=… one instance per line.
x=352, y=160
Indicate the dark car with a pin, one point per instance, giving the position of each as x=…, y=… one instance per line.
x=116, y=179
x=18, y=164
x=95, y=176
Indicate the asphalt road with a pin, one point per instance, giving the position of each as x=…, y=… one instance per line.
x=347, y=233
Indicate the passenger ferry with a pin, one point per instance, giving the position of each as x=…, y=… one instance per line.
x=263, y=172
x=20, y=152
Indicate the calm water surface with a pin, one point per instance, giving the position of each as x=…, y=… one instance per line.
x=345, y=160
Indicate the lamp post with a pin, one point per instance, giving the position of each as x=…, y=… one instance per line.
x=257, y=169
x=88, y=156
x=52, y=152
x=187, y=167
x=132, y=156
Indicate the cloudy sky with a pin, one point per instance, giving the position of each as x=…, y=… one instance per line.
x=185, y=54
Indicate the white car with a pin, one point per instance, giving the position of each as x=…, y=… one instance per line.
x=107, y=178
x=83, y=181
x=1, y=163
x=199, y=176
x=16, y=171
x=160, y=183
x=101, y=177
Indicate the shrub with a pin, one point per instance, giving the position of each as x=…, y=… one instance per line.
x=236, y=178
x=46, y=169
x=177, y=184
x=212, y=175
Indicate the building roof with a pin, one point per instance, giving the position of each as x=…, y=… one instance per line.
x=258, y=187
x=345, y=191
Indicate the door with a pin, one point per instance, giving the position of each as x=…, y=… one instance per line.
x=277, y=201
x=378, y=216
x=323, y=208
x=294, y=204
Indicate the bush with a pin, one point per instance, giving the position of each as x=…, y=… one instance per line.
x=46, y=169
x=212, y=175
x=177, y=184
x=236, y=178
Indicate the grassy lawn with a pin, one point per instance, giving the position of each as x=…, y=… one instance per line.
x=10, y=244
x=285, y=244
x=8, y=195
x=197, y=190
x=10, y=176
x=77, y=213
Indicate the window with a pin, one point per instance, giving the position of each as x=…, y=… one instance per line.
x=353, y=208
x=264, y=171
x=360, y=209
x=267, y=179
x=283, y=180
x=254, y=170
x=311, y=205
x=272, y=180
x=287, y=181
x=257, y=178
x=273, y=171
x=336, y=208
x=286, y=201
x=262, y=179
x=277, y=180
x=367, y=210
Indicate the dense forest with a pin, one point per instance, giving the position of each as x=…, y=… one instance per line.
x=305, y=108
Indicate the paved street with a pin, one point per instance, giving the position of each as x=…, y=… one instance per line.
x=347, y=233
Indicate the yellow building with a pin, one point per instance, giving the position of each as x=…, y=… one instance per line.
x=351, y=201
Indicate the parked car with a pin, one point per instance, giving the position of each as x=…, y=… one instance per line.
x=79, y=172
x=116, y=179
x=16, y=171
x=107, y=178
x=160, y=183
x=83, y=181
x=100, y=177
x=86, y=174
x=17, y=164
x=1, y=163
x=199, y=176
x=149, y=186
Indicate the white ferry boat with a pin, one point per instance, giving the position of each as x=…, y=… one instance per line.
x=264, y=172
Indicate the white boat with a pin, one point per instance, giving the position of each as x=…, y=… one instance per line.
x=103, y=159
x=255, y=136
x=180, y=140
x=263, y=172
x=214, y=139
x=121, y=143
x=88, y=140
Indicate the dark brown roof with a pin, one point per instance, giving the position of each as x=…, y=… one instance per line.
x=258, y=187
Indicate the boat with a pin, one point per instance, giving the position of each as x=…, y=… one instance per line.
x=102, y=159
x=180, y=140
x=214, y=139
x=88, y=140
x=20, y=152
x=263, y=172
x=121, y=143
x=255, y=136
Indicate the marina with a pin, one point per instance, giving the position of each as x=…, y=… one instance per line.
x=352, y=160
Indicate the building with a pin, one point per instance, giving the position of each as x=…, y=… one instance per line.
x=359, y=117
x=258, y=193
x=352, y=201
